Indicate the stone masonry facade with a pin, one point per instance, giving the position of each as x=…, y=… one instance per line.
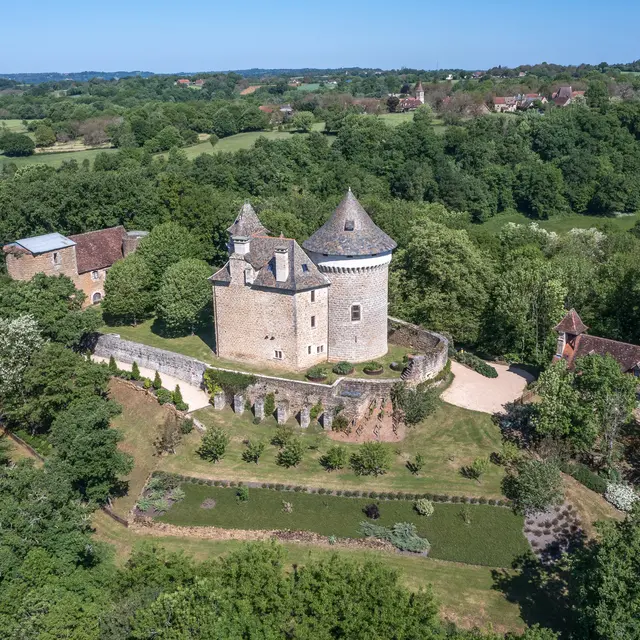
x=364, y=339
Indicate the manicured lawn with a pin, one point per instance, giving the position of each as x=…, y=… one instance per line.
x=494, y=537
x=14, y=126
x=56, y=159
x=448, y=440
x=562, y=224
x=200, y=346
x=465, y=592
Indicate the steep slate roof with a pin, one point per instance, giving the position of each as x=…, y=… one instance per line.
x=303, y=273
x=99, y=249
x=571, y=323
x=349, y=232
x=247, y=223
x=627, y=355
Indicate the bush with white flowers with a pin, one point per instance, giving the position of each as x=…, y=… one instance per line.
x=621, y=495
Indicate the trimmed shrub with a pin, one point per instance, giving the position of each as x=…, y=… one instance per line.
x=135, y=371
x=372, y=367
x=164, y=396
x=475, y=363
x=424, y=507
x=157, y=382
x=242, y=494
x=317, y=373
x=372, y=511
x=585, y=476
x=343, y=368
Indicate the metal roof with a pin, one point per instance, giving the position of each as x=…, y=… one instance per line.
x=45, y=243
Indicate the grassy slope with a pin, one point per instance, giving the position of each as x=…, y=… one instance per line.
x=465, y=592
x=56, y=159
x=449, y=439
x=493, y=538
x=141, y=416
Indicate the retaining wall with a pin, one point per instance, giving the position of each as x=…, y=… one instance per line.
x=356, y=394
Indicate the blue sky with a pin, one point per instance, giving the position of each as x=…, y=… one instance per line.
x=199, y=35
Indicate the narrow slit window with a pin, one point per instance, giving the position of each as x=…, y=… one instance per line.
x=313, y=296
x=356, y=314
x=349, y=225
x=313, y=322
x=309, y=349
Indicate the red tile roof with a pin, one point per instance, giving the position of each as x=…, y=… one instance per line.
x=571, y=323
x=627, y=355
x=99, y=249
x=498, y=100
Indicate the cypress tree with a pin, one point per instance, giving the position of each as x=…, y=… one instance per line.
x=157, y=382
x=135, y=371
x=113, y=367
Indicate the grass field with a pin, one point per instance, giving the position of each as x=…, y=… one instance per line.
x=448, y=440
x=465, y=592
x=394, y=119
x=56, y=159
x=15, y=126
x=494, y=536
x=562, y=224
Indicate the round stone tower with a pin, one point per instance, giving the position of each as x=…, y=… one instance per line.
x=355, y=255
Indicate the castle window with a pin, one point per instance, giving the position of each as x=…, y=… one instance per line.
x=313, y=296
x=96, y=297
x=313, y=322
x=349, y=225
x=320, y=349
x=277, y=355
x=95, y=275
x=309, y=349
x=56, y=258
x=305, y=268
x=356, y=314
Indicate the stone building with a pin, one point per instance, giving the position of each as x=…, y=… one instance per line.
x=84, y=258
x=281, y=304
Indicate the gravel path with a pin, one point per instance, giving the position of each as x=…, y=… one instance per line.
x=195, y=397
x=471, y=390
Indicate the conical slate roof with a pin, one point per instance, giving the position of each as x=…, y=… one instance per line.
x=419, y=86
x=247, y=223
x=349, y=232
x=572, y=323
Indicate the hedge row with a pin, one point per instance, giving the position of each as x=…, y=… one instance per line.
x=475, y=363
x=375, y=495
x=585, y=476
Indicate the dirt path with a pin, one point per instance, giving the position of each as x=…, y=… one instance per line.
x=470, y=390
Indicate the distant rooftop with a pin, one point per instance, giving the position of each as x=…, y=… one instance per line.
x=47, y=242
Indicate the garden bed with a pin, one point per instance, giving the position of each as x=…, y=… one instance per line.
x=493, y=537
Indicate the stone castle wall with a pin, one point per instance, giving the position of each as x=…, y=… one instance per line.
x=23, y=266
x=365, y=339
x=355, y=394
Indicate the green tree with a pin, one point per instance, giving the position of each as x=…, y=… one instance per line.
x=157, y=381
x=184, y=297
x=441, y=280
x=214, y=444
x=597, y=94
x=334, y=458
x=19, y=340
x=253, y=451
x=166, y=245
x=86, y=448
x=290, y=455
x=45, y=136
x=303, y=121
x=533, y=486
x=128, y=290
x=135, y=371
x=16, y=145
x=604, y=587
x=371, y=459
x=540, y=190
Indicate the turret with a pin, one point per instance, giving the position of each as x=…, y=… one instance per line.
x=354, y=254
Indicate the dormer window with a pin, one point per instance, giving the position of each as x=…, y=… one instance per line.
x=349, y=225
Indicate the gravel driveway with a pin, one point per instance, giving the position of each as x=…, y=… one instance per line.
x=471, y=390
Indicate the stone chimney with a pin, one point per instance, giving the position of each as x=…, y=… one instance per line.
x=240, y=245
x=131, y=241
x=282, y=264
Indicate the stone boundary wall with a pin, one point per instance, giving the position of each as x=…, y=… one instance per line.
x=354, y=394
